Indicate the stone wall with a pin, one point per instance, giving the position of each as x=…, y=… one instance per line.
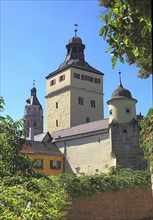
x=125, y=145
x=127, y=204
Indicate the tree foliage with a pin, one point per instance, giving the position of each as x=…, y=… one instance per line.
x=146, y=137
x=128, y=31
x=12, y=139
x=32, y=198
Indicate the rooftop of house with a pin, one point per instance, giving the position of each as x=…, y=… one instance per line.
x=43, y=137
x=37, y=147
x=81, y=130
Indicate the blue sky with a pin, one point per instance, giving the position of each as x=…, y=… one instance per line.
x=33, y=39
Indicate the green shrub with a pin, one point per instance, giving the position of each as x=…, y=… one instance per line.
x=118, y=178
x=32, y=198
x=42, y=198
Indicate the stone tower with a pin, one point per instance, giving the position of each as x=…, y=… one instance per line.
x=124, y=129
x=33, y=114
x=74, y=92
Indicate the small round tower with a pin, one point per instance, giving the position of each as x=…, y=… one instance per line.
x=122, y=107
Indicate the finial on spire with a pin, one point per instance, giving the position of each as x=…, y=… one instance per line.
x=120, y=82
x=75, y=29
x=34, y=83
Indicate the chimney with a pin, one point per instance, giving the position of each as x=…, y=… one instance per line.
x=31, y=133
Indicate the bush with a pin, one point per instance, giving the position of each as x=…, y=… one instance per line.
x=32, y=198
x=118, y=178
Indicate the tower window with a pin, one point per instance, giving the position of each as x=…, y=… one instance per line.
x=56, y=104
x=80, y=100
x=91, y=79
x=110, y=112
x=87, y=119
x=83, y=77
x=56, y=123
x=97, y=80
x=77, y=75
x=61, y=78
x=35, y=123
x=93, y=103
x=80, y=50
x=124, y=130
x=52, y=82
x=127, y=110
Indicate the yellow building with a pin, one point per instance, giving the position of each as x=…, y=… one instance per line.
x=49, y=160
x=74, y=92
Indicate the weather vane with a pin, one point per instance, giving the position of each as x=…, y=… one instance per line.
x=75, y=29
x=34, y=83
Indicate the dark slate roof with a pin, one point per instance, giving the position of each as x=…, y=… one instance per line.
x=33, y=101
x=121, y=92
x=83, y=129
x=77, y=40
x=75, y=58
x=75, y=64
x=36, y=147
x=41, y=137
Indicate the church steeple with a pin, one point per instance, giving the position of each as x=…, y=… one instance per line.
x=33, y=113
x=33, y=90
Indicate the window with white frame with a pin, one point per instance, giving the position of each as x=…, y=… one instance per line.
x=55, y=164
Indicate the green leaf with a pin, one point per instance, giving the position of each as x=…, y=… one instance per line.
x=144, y=31
x=136, y=52
x=105, y=33
x=121, y=59
x=101, y=31
x=102, y=18
x=114, y=59
x=108, y=49
x=109, y=14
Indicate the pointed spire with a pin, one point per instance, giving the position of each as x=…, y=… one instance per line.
x=75, y=29
x=34, y=83
x=33, y=90
x=120, y=82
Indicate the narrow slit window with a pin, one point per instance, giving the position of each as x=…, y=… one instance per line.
x=93, y=104
x=87, y=119
x=80, y=100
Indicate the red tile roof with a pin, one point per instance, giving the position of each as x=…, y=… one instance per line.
x=37, y=147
